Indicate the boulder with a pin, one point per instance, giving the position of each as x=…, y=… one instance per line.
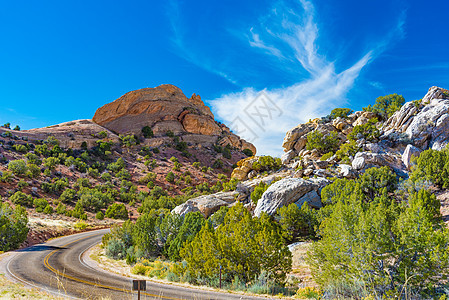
x=185, y=208
x=207, y=204
x=358, y=163
x=346, y=171
x=294, y=134
x=409, y=151
x=287, y=156
x=364, y=118
x=244, y=167
x=281, y=193
x=312, y=198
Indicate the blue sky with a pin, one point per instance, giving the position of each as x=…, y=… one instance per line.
x=61, y=60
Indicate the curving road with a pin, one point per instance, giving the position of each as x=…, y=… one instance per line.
x=58, y=267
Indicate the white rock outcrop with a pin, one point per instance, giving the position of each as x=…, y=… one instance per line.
x=284, y=192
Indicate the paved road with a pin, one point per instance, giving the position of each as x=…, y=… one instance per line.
x=57, y=267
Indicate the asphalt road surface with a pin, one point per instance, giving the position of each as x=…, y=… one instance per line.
x=58, y=267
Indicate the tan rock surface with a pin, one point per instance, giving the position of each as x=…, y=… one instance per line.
x=165, y=108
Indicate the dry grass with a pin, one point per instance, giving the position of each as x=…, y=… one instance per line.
x=10, y=290
x=300, y=268
x=121, y=268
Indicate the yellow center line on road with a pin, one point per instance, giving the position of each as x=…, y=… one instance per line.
x=48, y=266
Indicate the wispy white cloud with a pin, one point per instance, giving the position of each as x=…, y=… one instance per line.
x=291, y=34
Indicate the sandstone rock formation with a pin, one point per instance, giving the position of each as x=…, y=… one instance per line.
x=70, y=134
x=165, y=108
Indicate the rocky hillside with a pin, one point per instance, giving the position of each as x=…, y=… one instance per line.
x=153, y=148
x=342, y=145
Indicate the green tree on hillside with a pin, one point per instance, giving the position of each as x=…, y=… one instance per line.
x=387, y=105
x=13, y=226
x=243, y=246
x=380, y=246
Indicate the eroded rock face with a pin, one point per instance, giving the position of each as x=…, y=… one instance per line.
x=292, y=136
x=409, y=151
x=165, y=108
x=284, y=192
x=425, y=123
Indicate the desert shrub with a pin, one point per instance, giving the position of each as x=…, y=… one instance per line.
x=267, y=163
x=33, y=170
x=258, y=192
x=18, y=167
x=227, y=152
x=323, y=143
x=248, y=152
x=218, y=217
x=48, y=209
x=106, y=176
x=218, y=164
x=33, y=159
x=99, y=216
x=13, y=226
x=340, y=113
x=147, y=178
x=80, y=225
x=40, y=204
x=367, y=131
x=147, y=132
x=22, y=184
x=244, y=246
x=6, y=176
x=68, y=195
x=327, y=156
x=42, y=150
x=375, y=182
x=116, y=166
x=129, y=140
x=21, y=148
x=61, y=209
x=432, y=165
x=192, y=224
x=309, y=292
x=51, y=162
x=82, y=183
x=151, y=164
x=123, y=174
x=94, y=200
x=347, y=150
x=359, y=237
x=55, y=187
x=386, y=106
x=170, y=177
x=297, y=222
x=196, y=165
x=115, y=249
x=20, y=198
x=117, y=211
x=78, y=212
x=177, y=166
